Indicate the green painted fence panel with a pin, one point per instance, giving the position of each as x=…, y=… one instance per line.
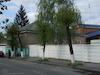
x=19, y=50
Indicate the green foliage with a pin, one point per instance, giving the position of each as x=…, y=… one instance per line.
x=40, y=60
x=2, y=6
x=53, y=13
x=60, y=34
x=11, y=33
x=21, y=17
x=74, y=64
x=43, y=60
x=21, y=20
x=5, y=22
x=2, y=37
x=46, y=60
x=46, y=16
x=23, y=58
x=46, y=8
x=43, y=32
x=68, y=16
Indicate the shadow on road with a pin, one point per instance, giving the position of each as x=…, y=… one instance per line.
x=88, y=72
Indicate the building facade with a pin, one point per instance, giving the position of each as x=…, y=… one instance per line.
x=87, y=33
x=28, y=34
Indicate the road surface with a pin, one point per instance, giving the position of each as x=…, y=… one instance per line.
x=17, y=67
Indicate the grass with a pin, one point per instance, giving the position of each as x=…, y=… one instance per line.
x=43, y=60
x=74, y=64
x=25, y=57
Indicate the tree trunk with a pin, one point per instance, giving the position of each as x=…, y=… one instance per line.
x=22, y=54
x=15, y=51
x=43, y=52
x=20, y=43
x=70, y=45
x=12, y=52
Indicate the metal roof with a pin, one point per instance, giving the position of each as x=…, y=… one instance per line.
x=30, y=27
x=93, y=34
x=91, y=26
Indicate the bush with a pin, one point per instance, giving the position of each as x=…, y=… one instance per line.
x=74, y=64
x=45, y=60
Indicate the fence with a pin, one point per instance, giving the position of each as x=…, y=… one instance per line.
x=82, y=52
x=2, y=48
x=19, y=50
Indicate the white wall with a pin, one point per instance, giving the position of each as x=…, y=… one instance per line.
x=95, y=42
x=3, y=48
x=83, y=52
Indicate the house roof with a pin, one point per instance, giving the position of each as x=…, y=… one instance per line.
x=93, y=34
x=3, y=43
x=28, y=28
x=91, y=26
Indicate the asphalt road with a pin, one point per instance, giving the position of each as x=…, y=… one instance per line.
x=17, y=67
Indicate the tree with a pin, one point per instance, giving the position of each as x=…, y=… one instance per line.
x=21, y=20
x=43, y=30
x=48, y=8
x=2, y=37
x=68, y=16
x=61, y=16
x=21, y=17
x=44, y=22
x=11, y=33
x=5, y=22
x=2, y=6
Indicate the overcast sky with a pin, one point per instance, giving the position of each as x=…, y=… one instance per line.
x=31, y=9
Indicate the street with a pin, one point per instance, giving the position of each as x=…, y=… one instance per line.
x=17, y=67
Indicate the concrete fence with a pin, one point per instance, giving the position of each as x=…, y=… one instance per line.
x=83, y=52
x=3, y=48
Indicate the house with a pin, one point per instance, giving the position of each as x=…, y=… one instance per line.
x=28, y=34
x=3, y=46
x=87, y=33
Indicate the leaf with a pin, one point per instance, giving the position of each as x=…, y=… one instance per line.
x=3, y=22
x=7, y=20
x=7, y=0
x=6, y=27
x=6, y=7
x=2, y=27
x=2, y=8
x=1, y=12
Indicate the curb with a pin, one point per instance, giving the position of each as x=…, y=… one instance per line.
x=84, y=69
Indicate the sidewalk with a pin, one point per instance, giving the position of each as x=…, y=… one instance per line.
x=86, y=66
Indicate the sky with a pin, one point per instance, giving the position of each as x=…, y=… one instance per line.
x=89, y=15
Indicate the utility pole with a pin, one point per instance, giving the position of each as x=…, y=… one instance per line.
x=89, y=7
